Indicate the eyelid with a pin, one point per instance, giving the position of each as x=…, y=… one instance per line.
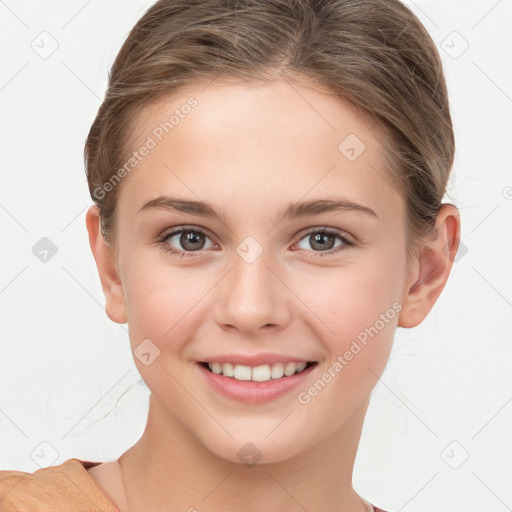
x=346, y=239
x=315, y=229
x=176, y=230
x=331, y=231
x=185, y=227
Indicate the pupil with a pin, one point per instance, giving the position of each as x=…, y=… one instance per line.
x=319, y=239
x=192, y=238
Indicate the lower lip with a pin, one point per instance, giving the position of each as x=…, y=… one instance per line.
x=249, y=391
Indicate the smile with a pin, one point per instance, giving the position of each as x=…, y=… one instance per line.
x=261, y=373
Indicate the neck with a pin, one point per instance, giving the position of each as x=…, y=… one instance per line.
x=168, y=469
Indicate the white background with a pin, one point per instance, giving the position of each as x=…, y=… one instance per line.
x=446, y=393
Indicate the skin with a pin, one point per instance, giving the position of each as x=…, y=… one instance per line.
x=250, y=151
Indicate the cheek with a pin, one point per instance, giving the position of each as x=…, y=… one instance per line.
x=359, y=310
x=162, y=308
x=163, y=302
x=358, y=305
x=351, y=298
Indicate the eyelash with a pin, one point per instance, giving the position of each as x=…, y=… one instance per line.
x=317, y=254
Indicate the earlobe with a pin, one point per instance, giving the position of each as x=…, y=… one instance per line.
x=105, y=257
x=435, y=260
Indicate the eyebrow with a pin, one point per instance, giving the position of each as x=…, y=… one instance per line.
x=294, y=210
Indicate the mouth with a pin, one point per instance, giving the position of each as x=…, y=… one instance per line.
x=260, y=373
x=255, y=383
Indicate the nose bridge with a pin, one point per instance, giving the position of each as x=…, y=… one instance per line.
x=252, y=296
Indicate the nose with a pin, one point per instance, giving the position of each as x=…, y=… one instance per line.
x=252, y=298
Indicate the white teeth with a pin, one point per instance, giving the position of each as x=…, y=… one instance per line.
x=262, y=373
x=228, y=370
x=277, y=371
x=290, y=369
x=216, y=368
x=301, y=366
x=241, y=372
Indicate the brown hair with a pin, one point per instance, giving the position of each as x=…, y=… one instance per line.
x=374, y=54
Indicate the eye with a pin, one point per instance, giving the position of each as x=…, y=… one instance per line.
x=192, y=239
x=189, y=240
x=324, y=241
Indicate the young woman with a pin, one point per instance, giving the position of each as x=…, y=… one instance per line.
x=268, y=180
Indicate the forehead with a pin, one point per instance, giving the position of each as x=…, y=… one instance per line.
x=237, y=143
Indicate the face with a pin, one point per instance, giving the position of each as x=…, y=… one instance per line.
x=269, y=280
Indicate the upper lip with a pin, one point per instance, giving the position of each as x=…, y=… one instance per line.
x=254, y=359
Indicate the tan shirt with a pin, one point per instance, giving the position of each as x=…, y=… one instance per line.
x=65, y=488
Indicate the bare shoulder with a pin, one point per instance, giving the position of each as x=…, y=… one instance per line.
x=109, y=477
x=105, y=470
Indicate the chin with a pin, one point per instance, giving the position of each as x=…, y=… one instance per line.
x=259, y=451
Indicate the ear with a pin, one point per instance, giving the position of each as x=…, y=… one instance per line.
x=432, y=268
x=105, y=257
